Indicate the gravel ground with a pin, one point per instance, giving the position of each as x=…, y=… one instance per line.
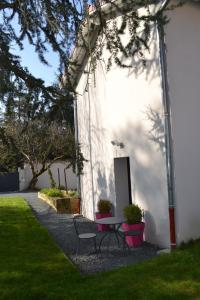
x=61, y=228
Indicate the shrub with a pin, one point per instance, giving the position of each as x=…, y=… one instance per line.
x=62, y=187
x=104, y=206
x=52, y=192
x=72, y=193
x=133, y=214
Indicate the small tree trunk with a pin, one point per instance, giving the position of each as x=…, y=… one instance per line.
x=34, y=180
x=36, y=174
x=52, y=181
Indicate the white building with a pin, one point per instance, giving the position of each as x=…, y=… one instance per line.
x=139, y=132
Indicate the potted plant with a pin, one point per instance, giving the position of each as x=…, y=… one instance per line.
x=55, y=198
x=104, y=211
x=133, y=217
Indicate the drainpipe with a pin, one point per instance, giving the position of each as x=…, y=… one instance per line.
x=91, y=161
x=168, y=137
x=77, y=141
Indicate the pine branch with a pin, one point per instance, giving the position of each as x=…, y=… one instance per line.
x=5, y=5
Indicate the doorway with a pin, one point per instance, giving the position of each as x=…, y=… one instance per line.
x=122, y=184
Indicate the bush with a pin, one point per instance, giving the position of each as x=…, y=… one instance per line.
x=104, y=206
x=62, y=187
x=72, y=193
x=133, y=214
x=52, y=192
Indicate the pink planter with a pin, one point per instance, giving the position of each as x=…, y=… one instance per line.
x=134, y=241
x=100, y=216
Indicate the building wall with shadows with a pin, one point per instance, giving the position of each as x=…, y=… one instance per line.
x=183, y=43
x=117, y=105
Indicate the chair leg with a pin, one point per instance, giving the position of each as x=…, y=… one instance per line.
x=78, y=246
x=109, y=240
x=102, y=241
x=117, y=238
x=95, y=246
x=124, y=243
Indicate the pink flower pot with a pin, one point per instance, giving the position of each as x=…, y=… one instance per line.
x=102, y=227
x=134, y=241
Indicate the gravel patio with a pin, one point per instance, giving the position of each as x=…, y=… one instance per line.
x=61, y=228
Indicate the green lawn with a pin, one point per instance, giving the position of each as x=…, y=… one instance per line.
x=32, y=267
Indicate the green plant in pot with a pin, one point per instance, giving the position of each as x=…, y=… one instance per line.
x=104, y=211
x=133, y=217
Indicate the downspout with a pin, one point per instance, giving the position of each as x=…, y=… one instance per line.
x=77, y=141
x=168, y=137
x=91, y=162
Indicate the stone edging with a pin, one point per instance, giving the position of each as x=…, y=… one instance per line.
x=61, y=205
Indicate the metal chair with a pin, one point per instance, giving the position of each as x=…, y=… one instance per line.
x=124, y=234
x=84, y=236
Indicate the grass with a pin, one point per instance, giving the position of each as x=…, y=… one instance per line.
x=32, y=267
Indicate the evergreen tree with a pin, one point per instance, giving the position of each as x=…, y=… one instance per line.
x=31, y=107
x=63, y=23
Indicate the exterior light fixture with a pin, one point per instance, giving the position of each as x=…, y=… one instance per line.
x=118, y=144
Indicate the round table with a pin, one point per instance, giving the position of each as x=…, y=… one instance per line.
x=110, y=221
x=115, y=223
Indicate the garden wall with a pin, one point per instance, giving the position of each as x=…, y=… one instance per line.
x=44, y=181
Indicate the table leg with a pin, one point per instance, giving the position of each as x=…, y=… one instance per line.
x=103, y=237
x=116, y=235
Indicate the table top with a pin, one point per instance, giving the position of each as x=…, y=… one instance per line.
x=110, y=221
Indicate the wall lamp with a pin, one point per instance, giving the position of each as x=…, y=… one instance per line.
x=118, y=144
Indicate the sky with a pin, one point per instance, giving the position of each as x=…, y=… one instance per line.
x=30, y=60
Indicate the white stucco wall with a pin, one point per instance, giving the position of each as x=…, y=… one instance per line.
x=25, y=176
x=115, y=108
x=183, y=44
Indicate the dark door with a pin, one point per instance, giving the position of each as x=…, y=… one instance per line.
x=9, y=182
x=122, y=184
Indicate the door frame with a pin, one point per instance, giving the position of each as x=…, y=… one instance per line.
x=128, y=177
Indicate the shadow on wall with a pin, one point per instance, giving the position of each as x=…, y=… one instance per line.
x=150, y=231
x=157, y=132
x=149, y=172
x=105, y=187
x=148, y=67
x=149, y=163
x=147, y=158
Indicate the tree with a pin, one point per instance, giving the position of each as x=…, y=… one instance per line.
x=42, y=23
x=62, y=23
x=34, y=112
x=25, y=104
x=41, y=144
x=36, y=131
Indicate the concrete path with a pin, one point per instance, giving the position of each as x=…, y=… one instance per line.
x=60, y=227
